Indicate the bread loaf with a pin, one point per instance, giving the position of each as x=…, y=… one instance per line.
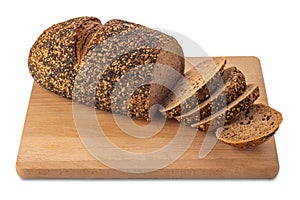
x=126, y=68
x=96, y=57
x=252, y=128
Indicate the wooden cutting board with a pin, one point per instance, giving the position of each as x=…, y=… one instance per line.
x=51, y=148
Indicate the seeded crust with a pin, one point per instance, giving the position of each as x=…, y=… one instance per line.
x=234, y=86
x=233, y=110
x=202, y=85
x=97, y=59
x=54, y=57
x=110, y=28
x=120, y=47
x=83, y=60
x=254, y=127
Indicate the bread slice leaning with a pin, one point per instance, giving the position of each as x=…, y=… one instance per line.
x=233, y=110
x=194, y=84
x=252, y=128
x=234, y=86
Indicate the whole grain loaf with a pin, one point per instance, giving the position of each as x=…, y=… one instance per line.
x=85, y=60
x=126, y=68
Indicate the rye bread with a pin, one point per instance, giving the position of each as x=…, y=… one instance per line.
x=233, y=110
x=234, y=86
x=83, y=60
x=203, y=79
x=252, y=128
x=54, y=58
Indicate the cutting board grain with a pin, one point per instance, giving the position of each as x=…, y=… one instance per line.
x=50, y=146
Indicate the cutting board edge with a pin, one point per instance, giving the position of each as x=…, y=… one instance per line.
x=33, y=173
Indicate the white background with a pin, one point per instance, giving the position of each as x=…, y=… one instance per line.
x=266, y=29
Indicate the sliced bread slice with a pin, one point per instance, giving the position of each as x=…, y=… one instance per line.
x=234, y=86
x=233, y=110
x=254, y=127
x=200, y=85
